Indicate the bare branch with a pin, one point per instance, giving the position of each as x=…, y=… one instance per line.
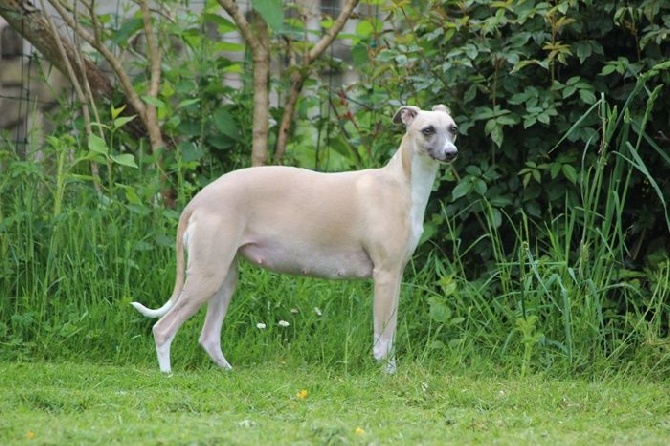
x=334, y=30
x=300, y=74
x=121, y=74
x=84, y=97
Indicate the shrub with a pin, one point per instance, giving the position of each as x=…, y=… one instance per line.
x=559, y=198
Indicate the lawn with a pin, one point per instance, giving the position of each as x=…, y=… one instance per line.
x=277, y=403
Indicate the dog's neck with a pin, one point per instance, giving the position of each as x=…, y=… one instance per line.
x=418, y=170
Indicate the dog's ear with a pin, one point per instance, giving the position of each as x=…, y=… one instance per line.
x=443, y=108
x=405, y=115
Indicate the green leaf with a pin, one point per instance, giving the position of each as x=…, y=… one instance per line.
x=271, y=11
x=570, y=173
x=131, y=195
x=123, y=34
x=116, y=111
x=364, y=29
x=359, y=55
x=229, y=46
x=479, y=186
x=587, y=96
x=608, y=69
x=386, y=55
x=470, y=93
x=438, y=311
x=462, y=189
x=225, y=122
x=120, y=122
x=190, y=152
x=97, y=145
x=448, y=285
x=496, y=218
x=583, y=50
x=188, y=102
x=223, y=25
x=153, y=101
x=342, y=146
x=505, y=120
x=125, y=159
x=497, y=135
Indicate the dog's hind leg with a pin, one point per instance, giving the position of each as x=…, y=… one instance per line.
x=217, y=306
x=198, y=288
x=209, y=261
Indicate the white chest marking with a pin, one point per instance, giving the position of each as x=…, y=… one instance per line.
x=422, y=177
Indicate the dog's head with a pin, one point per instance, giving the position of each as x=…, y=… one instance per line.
x=433, y=132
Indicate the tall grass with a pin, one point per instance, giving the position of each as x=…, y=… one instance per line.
x=560, y=302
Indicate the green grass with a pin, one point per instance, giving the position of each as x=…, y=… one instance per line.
x=77, y=403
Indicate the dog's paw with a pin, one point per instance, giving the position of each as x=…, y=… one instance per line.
x=390, y=368
x=225, y=365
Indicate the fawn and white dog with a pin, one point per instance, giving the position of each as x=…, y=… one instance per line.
x=356, y=224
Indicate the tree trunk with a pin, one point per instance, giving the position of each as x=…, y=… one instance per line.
x=256, y=35
x=261, y=79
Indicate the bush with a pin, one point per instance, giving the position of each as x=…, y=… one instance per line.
x=559, y=199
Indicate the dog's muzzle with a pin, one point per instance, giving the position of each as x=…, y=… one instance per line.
x=444, y=157
x=450, y=156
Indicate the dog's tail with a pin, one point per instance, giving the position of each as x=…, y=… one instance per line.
x=179, y=282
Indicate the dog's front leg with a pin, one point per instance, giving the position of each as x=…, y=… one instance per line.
x=387, y=293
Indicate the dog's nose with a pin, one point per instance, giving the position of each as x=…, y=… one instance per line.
x=450, y=156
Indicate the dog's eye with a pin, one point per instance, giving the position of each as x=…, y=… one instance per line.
x=428, y=131
x=453, y=129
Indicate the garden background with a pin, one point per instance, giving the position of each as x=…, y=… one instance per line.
x=546, y=243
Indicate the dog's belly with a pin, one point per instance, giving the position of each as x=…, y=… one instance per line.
x=328, y=262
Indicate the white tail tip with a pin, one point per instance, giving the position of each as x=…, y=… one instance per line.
x=148, y=312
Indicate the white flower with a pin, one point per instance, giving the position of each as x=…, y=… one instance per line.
x=261, y=325
x=317, y=311
x=283, y=323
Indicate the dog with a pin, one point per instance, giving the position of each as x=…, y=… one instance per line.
x=355, y=224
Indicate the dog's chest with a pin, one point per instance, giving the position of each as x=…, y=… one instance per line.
x=416, y=227
x=421, y=184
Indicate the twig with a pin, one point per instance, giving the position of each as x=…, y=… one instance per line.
x=121, y=74
x=300, y=74
x=83, y=97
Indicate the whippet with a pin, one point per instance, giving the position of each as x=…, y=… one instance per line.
x=356, y=224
